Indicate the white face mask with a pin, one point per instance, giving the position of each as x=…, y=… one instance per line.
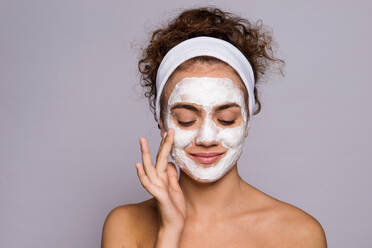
x=208, y=93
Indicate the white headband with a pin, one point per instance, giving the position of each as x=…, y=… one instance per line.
x=205, y=46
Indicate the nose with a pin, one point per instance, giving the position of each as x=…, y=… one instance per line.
x=207, y=135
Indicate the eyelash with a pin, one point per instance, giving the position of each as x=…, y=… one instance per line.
x=189, y=123
x=226, y=123
x=186, y=124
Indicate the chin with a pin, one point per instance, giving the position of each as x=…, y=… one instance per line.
x=197, y=179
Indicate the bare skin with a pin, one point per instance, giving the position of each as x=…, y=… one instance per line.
x=187, y=213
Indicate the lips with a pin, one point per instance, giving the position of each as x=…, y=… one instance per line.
x=207, y=158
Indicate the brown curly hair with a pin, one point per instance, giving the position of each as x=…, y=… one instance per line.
x=252, y=39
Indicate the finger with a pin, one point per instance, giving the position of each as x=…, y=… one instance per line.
x=161, y=145
x=142, y=176
x=171, y=169
x=162, y=161
x=164, y=138
x=147, y=184
x=173, y=177
x=146, y=159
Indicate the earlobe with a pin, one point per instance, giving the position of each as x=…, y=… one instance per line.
x=246, y=129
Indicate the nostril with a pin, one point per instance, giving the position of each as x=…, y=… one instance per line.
x=207, y=143
x=206, y=139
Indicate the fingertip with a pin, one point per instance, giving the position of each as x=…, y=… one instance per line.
x=143, y=141
x=171, y=132
x=172, y=136
x=139, y=169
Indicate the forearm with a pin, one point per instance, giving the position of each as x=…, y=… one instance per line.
x=168, y=237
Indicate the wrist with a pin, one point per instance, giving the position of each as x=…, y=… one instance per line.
x=168, y=237
x=174, y=228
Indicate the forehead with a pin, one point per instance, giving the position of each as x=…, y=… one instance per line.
x=206, y=91
x=200, y=69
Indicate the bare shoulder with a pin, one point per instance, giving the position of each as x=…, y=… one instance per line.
x=281, y=224
x=130, y=225
x=296, y=228
x=303, y=229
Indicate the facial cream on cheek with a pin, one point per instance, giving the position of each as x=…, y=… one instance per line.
x=183, y=138
x=208, y=93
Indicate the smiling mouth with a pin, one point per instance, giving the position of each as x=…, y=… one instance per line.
x=207, y=158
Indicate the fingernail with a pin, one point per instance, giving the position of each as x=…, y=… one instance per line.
x=165, y=135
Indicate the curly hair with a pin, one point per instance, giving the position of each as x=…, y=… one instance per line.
x=252, y=39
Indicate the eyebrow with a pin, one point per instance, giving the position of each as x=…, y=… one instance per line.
x=186, y=106
x=226, y=106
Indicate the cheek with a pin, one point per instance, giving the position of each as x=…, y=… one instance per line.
x=232, y=137
x=183, y=138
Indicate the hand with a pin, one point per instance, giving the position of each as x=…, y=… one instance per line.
x=161, y=181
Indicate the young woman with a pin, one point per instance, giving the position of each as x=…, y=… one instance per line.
x=200, y=73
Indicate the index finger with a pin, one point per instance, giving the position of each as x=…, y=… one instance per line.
x=164, y=150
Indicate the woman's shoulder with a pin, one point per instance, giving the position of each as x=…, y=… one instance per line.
x=293, y=216
x=126, y=224
x=135, y=210
x=284, y=220
x=303, y=229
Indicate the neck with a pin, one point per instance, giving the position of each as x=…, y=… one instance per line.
x=219, y=195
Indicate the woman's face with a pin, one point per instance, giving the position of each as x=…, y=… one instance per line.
x=207, y=109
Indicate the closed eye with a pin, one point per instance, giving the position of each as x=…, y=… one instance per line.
x=226, y=123
x=186, y=123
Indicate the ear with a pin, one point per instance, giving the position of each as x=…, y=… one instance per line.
x=161, y=126
x=247, y=127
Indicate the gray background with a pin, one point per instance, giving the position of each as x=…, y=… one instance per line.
x=72, y=113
